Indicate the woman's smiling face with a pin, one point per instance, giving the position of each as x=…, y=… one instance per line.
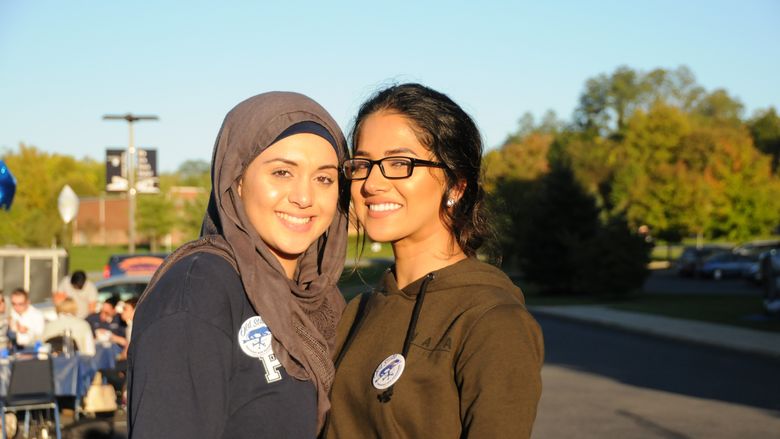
x=404, y=210
x=290, y=194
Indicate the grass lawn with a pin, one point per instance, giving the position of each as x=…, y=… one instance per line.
x=385, y=251
x=664, y=252
x=92, y=259
x=365, y=277
x=737, y=310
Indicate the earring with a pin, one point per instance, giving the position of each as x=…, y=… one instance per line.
x=450, y=202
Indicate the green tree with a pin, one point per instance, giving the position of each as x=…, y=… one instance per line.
x=614, y=261
x=524, y=159
x=747, y=196
x=195, y=173
x=718, y=107
x=155, y=218
x=645, y=182
x=34, y=219
x=564, y=218
x=607, y=102
x=765, y=129
x=191, y=218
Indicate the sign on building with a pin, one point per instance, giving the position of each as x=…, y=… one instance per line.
x=146, y=181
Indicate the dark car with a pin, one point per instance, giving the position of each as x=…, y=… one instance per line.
x=769, y=263
x=755, y=250
x=725, y=264
x=133, y=265
x=690, y=261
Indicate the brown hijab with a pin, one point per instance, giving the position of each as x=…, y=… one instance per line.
x=302, y=312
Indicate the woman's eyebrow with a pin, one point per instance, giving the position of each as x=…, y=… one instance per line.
x=388, y=152
x=283, y=160
x=294, y=163
x=395, y=151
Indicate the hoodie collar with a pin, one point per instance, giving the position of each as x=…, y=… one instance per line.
x=441, y=280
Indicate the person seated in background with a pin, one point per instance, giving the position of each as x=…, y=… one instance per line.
x=77, y=287
x=118, y=375
x=107, y=325
x=27, y=322
x=80, y=331
x=128, y=311
x=3, y=322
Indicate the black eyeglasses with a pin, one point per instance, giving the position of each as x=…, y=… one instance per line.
x=393, y=168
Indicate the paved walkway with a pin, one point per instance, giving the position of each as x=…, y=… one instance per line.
x=729, y=337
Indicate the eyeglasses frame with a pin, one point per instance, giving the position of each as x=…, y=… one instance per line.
x=414, y=163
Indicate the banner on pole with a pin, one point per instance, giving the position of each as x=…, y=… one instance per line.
x=146, y=181
x=116, y=170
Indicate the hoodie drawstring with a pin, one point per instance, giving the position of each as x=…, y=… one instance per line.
x=388, y=393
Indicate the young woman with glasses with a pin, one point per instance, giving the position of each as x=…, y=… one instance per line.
x=444, y=348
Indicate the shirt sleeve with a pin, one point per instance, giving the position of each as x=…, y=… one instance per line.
x=179, y=384
x=63, y=284
x=37, y=324
x=498, y=373
x=91, y=290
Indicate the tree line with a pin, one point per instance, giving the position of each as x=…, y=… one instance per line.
x=34, y=221
x=646, y=155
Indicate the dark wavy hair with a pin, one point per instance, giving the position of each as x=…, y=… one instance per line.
x=446, y=130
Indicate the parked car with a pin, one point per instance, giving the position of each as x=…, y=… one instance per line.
x=755, y=250
x=690, y=261
x=752, y=271
x=135, y=264
x=725, y=264
x=769, y=263
x=124, y=286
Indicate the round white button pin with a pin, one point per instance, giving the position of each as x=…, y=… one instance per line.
x=389, y=371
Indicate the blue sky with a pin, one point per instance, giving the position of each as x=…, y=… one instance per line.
x=63, y=65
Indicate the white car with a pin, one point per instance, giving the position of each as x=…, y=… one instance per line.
x=123, y=286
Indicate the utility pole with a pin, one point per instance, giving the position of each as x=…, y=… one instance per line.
x=130, y=174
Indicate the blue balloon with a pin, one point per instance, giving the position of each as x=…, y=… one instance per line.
x=7, y=186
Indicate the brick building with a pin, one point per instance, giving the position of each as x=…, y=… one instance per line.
x=103, y=220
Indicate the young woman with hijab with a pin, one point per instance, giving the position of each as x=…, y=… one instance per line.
x=233, y=336
x=444, y=347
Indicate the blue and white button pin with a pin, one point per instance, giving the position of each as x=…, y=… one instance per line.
x=254, y=337
x=389, y=371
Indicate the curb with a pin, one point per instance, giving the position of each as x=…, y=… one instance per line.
x=708, y=334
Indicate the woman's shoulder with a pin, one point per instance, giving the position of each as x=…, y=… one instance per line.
x=482, y=285
x=200, y=281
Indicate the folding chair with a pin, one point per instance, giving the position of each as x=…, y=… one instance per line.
x=31, y=388
x=59, y=345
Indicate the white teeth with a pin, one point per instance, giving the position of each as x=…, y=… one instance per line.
x=293, y=219
x=384, y=207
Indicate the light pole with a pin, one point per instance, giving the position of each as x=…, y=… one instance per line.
x=130, y=118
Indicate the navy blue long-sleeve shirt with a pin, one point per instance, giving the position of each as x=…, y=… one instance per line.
x=201, y=363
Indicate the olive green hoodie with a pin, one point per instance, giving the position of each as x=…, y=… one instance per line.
x=473, y=366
